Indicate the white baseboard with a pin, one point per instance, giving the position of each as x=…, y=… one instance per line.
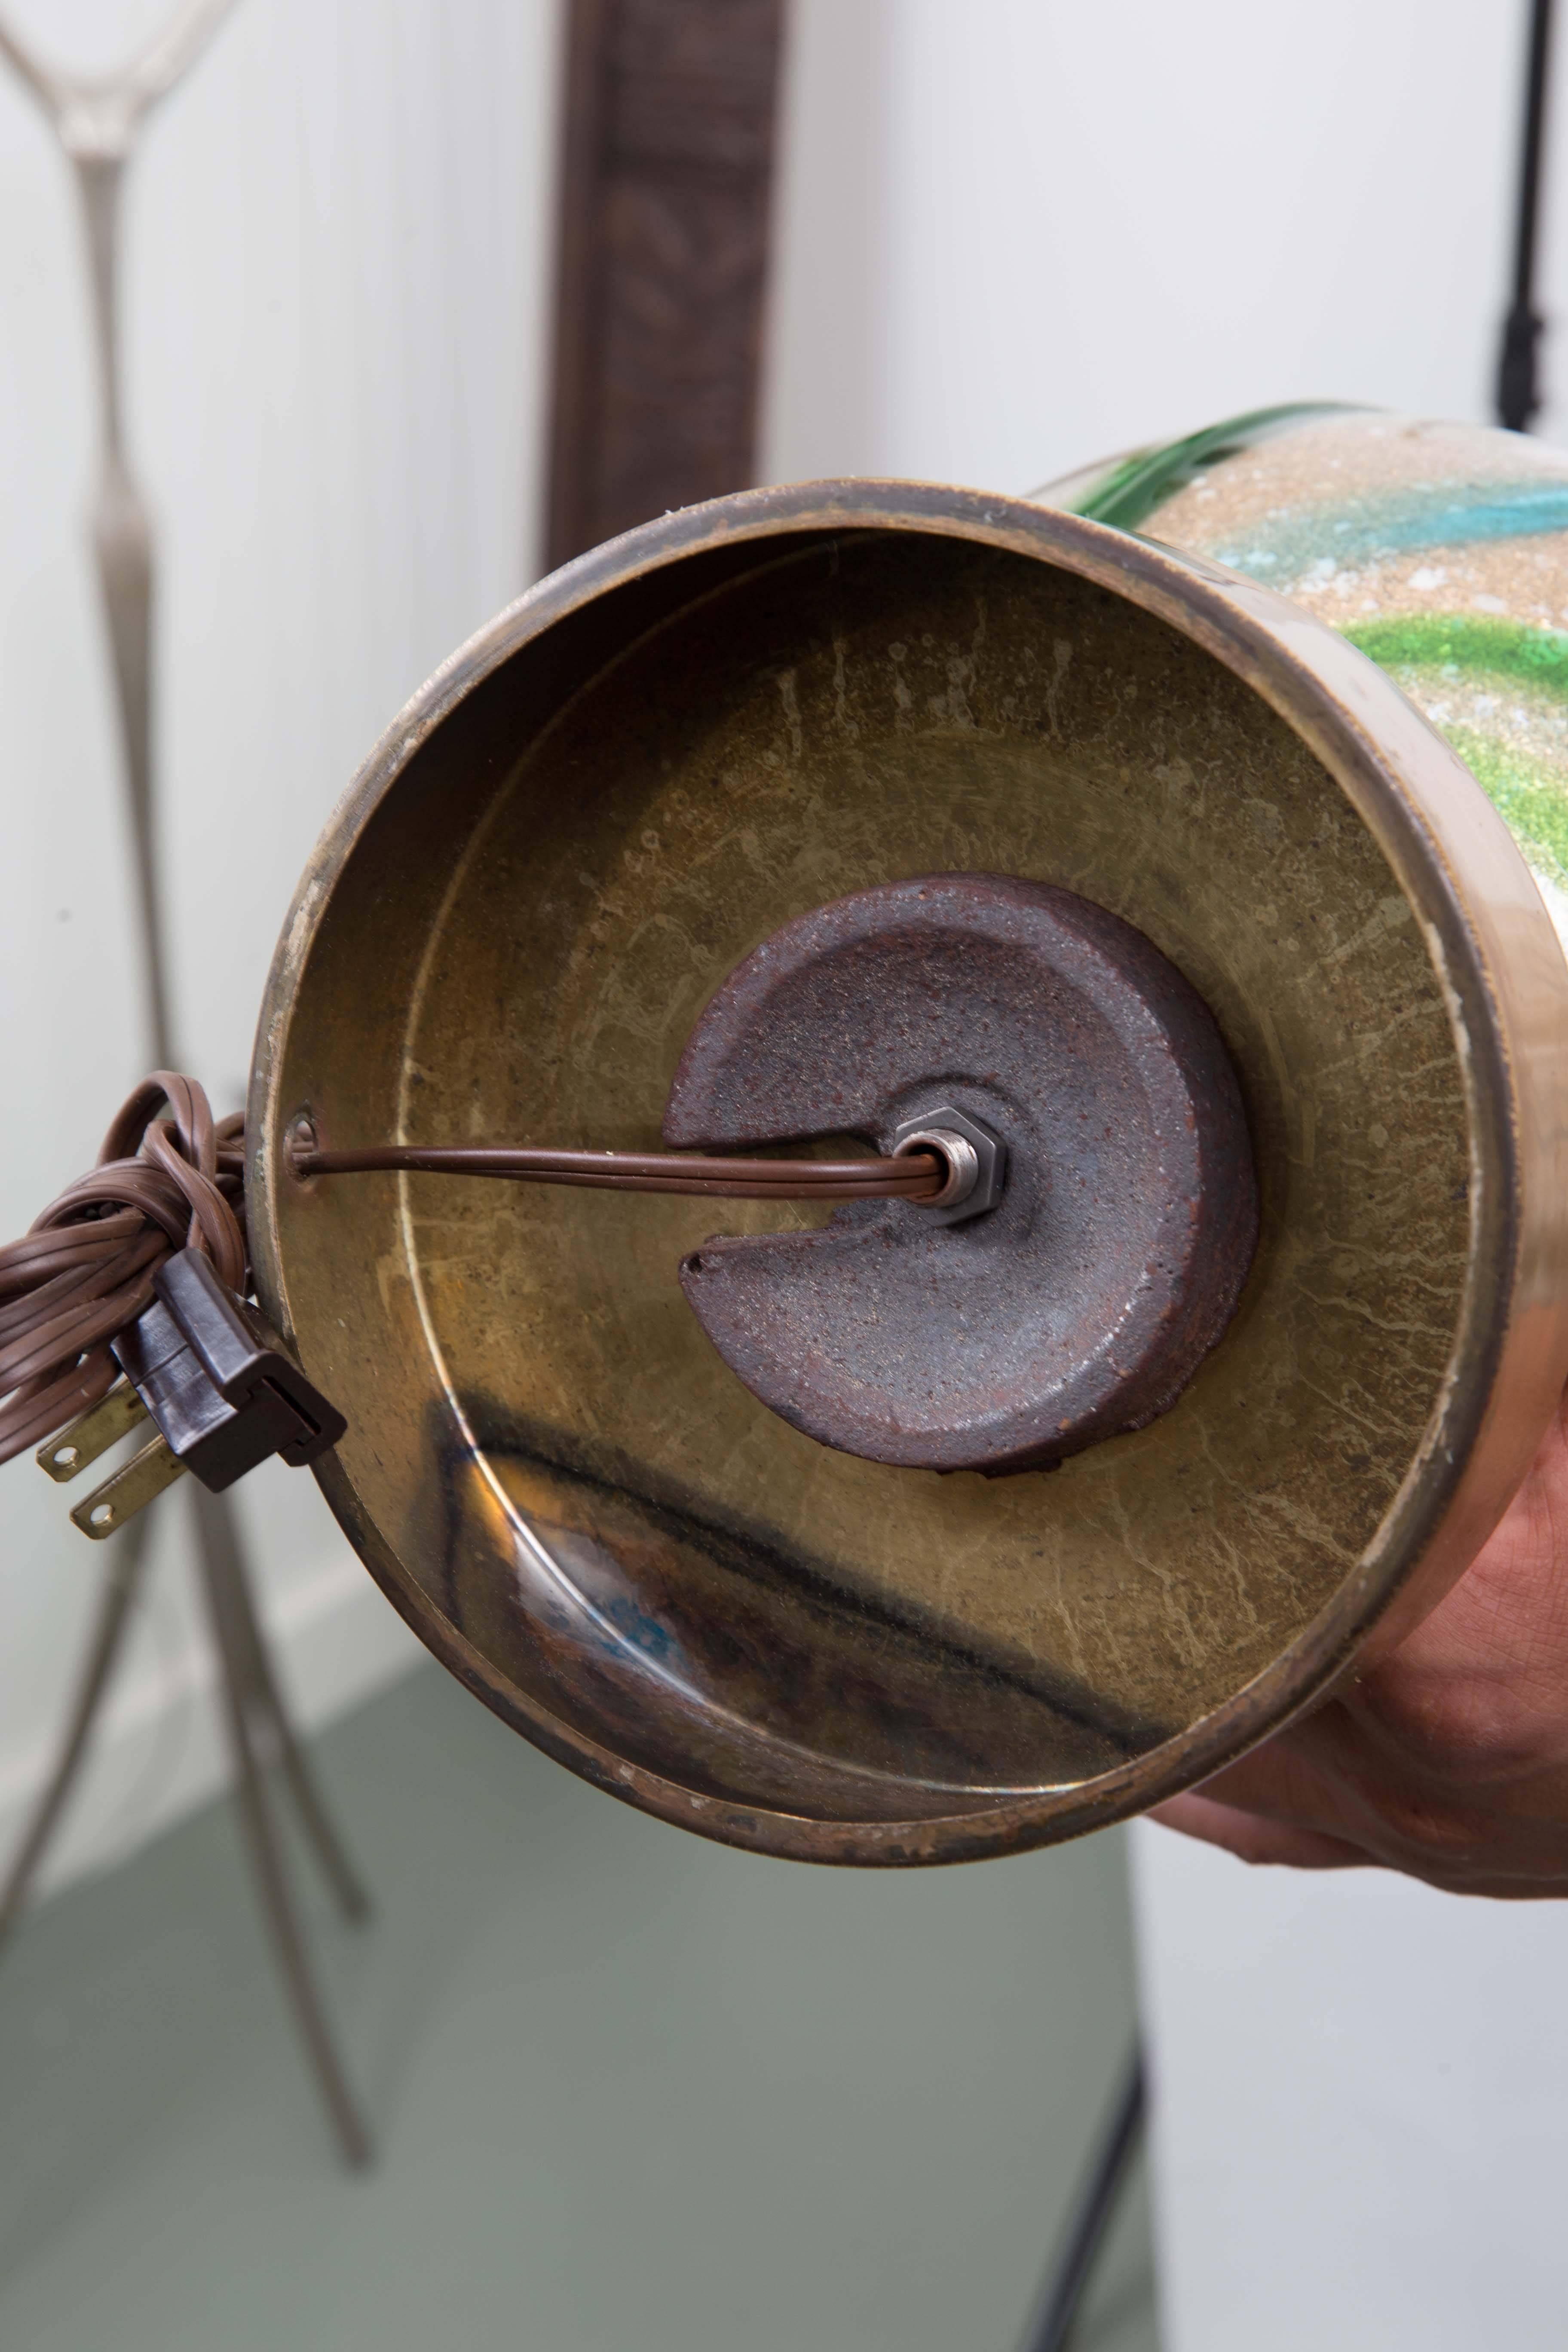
x=159, y=1751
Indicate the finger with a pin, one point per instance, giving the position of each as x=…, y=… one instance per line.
x=1322, y=1780
x=1295, y=1782
x=1252, y=1839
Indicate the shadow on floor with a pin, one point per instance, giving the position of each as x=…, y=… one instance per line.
x=631, y=2092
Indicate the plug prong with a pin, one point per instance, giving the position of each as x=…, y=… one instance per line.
x=71, y=1449
x=127, y=1490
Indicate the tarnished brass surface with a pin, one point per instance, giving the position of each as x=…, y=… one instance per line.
x=558, y=853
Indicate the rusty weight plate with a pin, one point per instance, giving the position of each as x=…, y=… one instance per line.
x=558, y=855
x=1081, y=1303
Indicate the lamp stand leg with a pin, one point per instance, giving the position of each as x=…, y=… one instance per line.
x=259, y=1733
x=1051, y=2329
x=237, y=1640
x=121, y=1589
x=272, y=1730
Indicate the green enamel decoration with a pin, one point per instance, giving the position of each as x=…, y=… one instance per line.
x=1131, y=491
x=1427, y=652
x=1515, y=651
x=1334, y=501
x=1532, y=802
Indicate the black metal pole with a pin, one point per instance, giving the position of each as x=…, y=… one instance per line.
x=1518, y=381
x=1050, y=2330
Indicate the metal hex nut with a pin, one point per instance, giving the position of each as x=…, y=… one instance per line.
x=971, y=1199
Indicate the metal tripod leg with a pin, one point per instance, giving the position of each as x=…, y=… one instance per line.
x=1051, y=2329
x=120, y=1586
x=96, y=122
x=259, y=1731
x=237, y=1638
x=271, y=1727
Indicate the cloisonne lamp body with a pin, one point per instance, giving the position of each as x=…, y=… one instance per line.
x=693, y=738
x=1441, y=550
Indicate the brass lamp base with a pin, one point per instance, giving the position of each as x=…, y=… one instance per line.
x=558, y=855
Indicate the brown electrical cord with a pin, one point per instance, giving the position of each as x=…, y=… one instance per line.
x=85, y=1269
x=913, y=1176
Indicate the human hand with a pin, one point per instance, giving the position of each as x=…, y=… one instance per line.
x=1448, y=1759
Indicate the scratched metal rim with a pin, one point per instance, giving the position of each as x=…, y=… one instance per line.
x=1506, y=986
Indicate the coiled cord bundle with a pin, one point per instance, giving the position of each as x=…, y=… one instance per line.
x=84, y=1270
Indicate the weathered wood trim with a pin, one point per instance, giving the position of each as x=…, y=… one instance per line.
x=666, y=196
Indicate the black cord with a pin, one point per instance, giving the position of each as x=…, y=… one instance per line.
x=1518, y=380
x=1060, y=2296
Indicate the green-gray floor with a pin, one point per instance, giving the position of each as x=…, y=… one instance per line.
x=632, y=2093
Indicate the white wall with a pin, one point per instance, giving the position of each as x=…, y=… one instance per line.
x=1021, y=234
x=338, y=251
x=1018, y=235
x=1362, y=2119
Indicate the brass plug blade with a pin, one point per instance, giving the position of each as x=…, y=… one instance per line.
x=93, y=1432
x=128, y=1491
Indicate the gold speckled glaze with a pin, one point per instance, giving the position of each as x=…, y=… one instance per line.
x=558, y=853
x=1440, y=549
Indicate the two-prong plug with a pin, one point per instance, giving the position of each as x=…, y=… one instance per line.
x=218, y=1387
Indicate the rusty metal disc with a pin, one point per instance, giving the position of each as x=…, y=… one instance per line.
x=672, y=752
x=1084, y=1299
